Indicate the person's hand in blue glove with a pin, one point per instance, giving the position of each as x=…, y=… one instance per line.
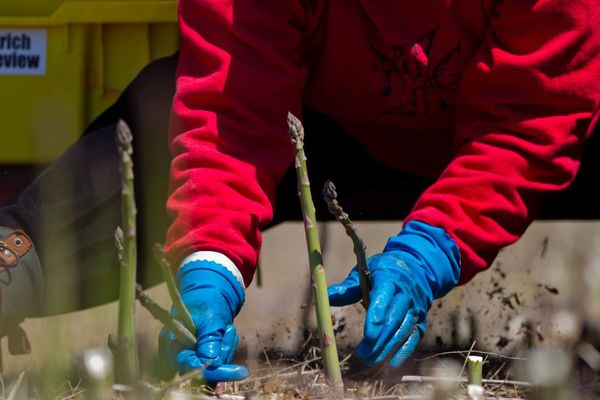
x=422, y=263
x=214, y=297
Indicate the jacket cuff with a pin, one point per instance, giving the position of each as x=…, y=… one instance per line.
x=218, y=258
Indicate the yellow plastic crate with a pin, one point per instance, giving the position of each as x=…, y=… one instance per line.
x=62, y=62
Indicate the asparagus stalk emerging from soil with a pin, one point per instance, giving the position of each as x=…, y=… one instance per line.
x=319, y=280
x=182, y=311
x=127, y=364
x=330, y=196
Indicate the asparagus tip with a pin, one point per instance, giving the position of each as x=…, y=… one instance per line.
x=329, y=191
x=295, y=129
x=124, y=137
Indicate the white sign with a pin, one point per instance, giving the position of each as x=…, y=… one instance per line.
x=23, y=51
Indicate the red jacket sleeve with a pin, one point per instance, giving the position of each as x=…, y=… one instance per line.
x=524, y=110
x=239, y=74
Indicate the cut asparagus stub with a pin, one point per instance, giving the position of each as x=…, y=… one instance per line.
x=474, y=370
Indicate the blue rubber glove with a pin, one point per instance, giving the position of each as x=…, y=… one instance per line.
x=422, y=263
x=214, y=297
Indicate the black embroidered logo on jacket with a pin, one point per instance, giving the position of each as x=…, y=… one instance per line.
x=420, y=85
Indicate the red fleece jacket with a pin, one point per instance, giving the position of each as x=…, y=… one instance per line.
x=495, y=98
